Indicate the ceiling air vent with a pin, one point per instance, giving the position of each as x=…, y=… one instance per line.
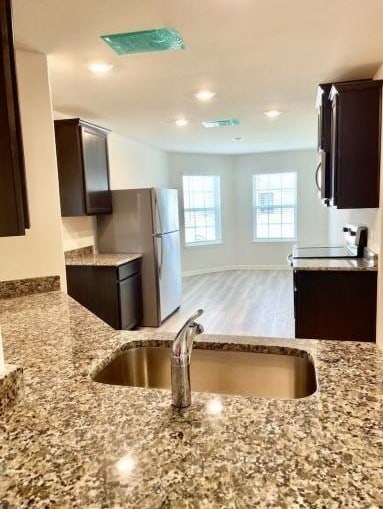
x=220, y=123
x=159, y=39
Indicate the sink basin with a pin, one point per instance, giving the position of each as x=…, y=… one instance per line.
x=267, y=375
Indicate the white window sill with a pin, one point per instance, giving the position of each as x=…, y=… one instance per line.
x=274, y=241
x=207, y=243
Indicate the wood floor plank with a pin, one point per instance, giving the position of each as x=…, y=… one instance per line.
x=246, y=302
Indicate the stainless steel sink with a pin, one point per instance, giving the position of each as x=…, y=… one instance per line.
x=267, y=375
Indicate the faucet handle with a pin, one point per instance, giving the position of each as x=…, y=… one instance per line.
x=198, y=328
x=190, y=322
x=196, y=315
x=184, y=338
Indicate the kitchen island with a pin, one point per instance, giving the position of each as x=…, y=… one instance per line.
x=70, y=442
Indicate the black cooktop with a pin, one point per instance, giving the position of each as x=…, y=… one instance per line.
x=355, y=242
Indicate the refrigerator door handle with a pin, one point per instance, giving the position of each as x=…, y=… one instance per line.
x=157, y=213
x=170, y=275
x=160, y=255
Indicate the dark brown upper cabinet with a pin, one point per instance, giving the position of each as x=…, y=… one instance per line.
x=14, y=218
x=355, y=143
x=323, y=105
x=323, y=178
x=349, y=123
x=83, y=168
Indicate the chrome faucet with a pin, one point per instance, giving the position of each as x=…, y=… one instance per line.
x=180, y=361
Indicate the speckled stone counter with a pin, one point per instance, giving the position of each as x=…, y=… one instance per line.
x=11, y=385
x=21, y=287
x=73, y=443
x=333, y=264
x=108, y=260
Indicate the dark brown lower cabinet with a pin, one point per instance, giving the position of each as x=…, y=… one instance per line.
x=338, y=305
x=112, y=293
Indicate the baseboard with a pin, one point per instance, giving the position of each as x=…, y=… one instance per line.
x=234, y=267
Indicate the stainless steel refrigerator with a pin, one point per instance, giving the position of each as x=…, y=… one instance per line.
x=146, y=221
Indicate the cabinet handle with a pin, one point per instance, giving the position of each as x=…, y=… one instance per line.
x=316, y=175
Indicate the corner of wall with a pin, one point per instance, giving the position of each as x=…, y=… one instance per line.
x=78, y=232
x=40, y=252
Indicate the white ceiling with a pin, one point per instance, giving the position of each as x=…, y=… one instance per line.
x=255, y=54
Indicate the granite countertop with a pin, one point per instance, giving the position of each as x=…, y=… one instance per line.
x=73, y=443
x=334, y=264
x=103, y=259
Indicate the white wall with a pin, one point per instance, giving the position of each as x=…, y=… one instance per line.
x=238, y=249
x=195, y=258
x=362, y=217
x=40, y=251
x=78, y=232
x=134, y=165
x=312, y=220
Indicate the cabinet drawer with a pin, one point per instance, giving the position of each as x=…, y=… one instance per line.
x=128, y=269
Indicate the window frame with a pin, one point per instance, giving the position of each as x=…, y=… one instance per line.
x=217, y=208
x=254, y=206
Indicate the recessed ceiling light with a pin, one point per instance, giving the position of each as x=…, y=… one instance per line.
x=272, y=113
x=100, y=67
x=181, y=122
x=204, y=95
x=237, y=139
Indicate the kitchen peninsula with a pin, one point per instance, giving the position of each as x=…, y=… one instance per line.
x=72, y=442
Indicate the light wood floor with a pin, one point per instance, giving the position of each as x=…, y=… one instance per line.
x=246, y=302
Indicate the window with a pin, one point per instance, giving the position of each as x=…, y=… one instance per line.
x=202, y=209
x=275, y=206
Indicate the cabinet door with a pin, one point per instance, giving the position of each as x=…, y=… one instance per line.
x=96, y=172
x=338, y=305
x=96, y=289
x=13, y=200
x=130, y=301
x=324, y=117
x=356, y=144
x=69, y=165
x=325, y=177
x=334, y=150
x=323, y=171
